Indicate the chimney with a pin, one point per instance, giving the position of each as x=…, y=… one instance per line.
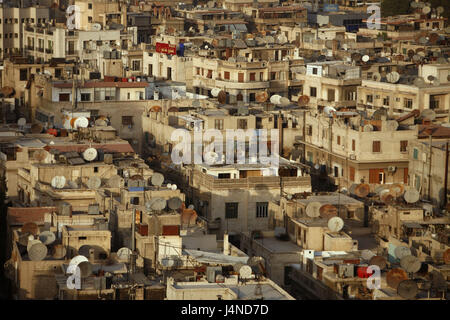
x=226, y=245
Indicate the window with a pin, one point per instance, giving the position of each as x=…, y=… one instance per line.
x=353, y=144
x=309, y=130
x=242, y=124
x=95, y=169
x=64, y=97
x=376, y=146
x=252, y=76
x=314, y=70
x=352, y=174
x=369, y=98
x=313, y=92
x=416, y=154
x=231, y=210
x=407, y=103
x=23, y=74
x=82, y=238
x=85, y=97
x=331, y=95
x=261, y=76
x=136, y=65
x=339, y=140
x=226, y=75
x=224, y=176
x=403, y=145
x=240, y=77
x=127, y=120
x=209, y=75
x=273, y=76
x=134, y=200
x=261, y=209
x=89, y=6
x=218, y=124
x=386, y=101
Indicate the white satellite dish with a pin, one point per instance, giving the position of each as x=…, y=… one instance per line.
x=393, y=77
x=368, y=128
x=115, y=181
x=275, y=99
x=77, y=260
x=313, y=209
x=328, y=110
x=94, y=183
x=81, y=122
x=47, y=237
x=215, y=92
x=174, y=187
x=96, y=27
x=90, y=154
x=392, y=125
x=169, y=186
x=21, y=122
x=124, y=254
x=245, y=272
x=335, y=224
x=284, y=101
x=411, y=196
x=37, y=251
x=157, y=179
x=428, y=114
x=365, y=58
x=58, y=182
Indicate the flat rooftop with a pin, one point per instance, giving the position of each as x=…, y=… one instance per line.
x=334, y=199
x=275, y=245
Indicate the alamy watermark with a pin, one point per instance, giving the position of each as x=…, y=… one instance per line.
x=74, y=280
x=208, y=147
x=73, y=14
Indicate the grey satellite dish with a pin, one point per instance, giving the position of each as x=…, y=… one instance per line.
x=407, y=289
x=21, y=122
x=367, y=254
x=313, y=209
x=419, y=82
x=269, y=39
x=376, y=77
x=94, y=183
x=85, y=269
x=436, y=82
x=440, y=10
x=58, y=182
x=411, y=196
x=275, y=99
x=148, y=205
x=410, y=263
x=84, y=250
x=392, y=125
x=72, y=185
x=115, y=181
x=47, y=237
x=428, y=114
x=77, y=260
x=401, y=252
x=96, y=27
x=37, y=251
x=31, y=241
x=124, y=254
x=393, y=77
x=159, y=204
x=284, y=101
x=157, y=179
x=335, y=224
x=368, y=128
x=168, y=262
x=174, y=203
x=90, y=154
x=245, y=272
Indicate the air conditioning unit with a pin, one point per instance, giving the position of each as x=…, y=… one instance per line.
x=392, y=168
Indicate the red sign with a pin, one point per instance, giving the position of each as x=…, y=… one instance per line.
x=166, y=48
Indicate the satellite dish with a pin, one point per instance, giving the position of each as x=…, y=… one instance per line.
x=115, y=181
x=85, y=269
x=407, y=289
x=47, y=237
x=101, y=123
x=367, y=254
x=169, y=186
x=335, y=224
x=439, y=10
x=215, y=92
x=40, y=155
x=269, y=39
x=72, y=184
x=282, y=39
x=191, y=206
x=410, y=263
x=37, y=251
x=31, y=242
x=393, y=77
x=402, y=251
x=96, y=27
x=222, y=97
x=81, y=122
x=395, y=276
x=262, y=96
x=94, y=183
x=313, y=209
x=58, y=182
x=90, y=154
x=327, y=211
x=124, y=254
x=379, y=113
x=378, y=261
x=368, y=128
x=419, y=82
x=158, y=204
x=284, y=101
x=386, y=197
x=396, y=190
x=58, y=251
x=329, y=44
x=426, y=10
x=365, y=58
x=362, y=190
x=174, y=187
x=275, y=99
x=77, y=260
x=157, y=179
x=329, y=110
x=392, y=125
x=174, y=203
x=428, y=114
x=411, y=196
x=376, y=76
x=416, y=58
x=21, y=122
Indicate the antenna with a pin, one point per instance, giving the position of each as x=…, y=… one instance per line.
x=174, y=203
x=94, y=183
x=402, y=251
x=411, y=196
x=157, y=179
x=47, y=237
x=313, y=209
x=378, y=261
x=90, y=154
x=395, y=276
x=335, y=224
x=37, y=251
x=407, y=289
x=58, y=182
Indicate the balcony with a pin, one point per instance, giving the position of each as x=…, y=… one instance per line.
x=40, y=49
x=49, y=51
x=72, y=53
x=31, y=48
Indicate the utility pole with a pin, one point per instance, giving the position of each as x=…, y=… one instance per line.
x=446, y=174
x=429, y=168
